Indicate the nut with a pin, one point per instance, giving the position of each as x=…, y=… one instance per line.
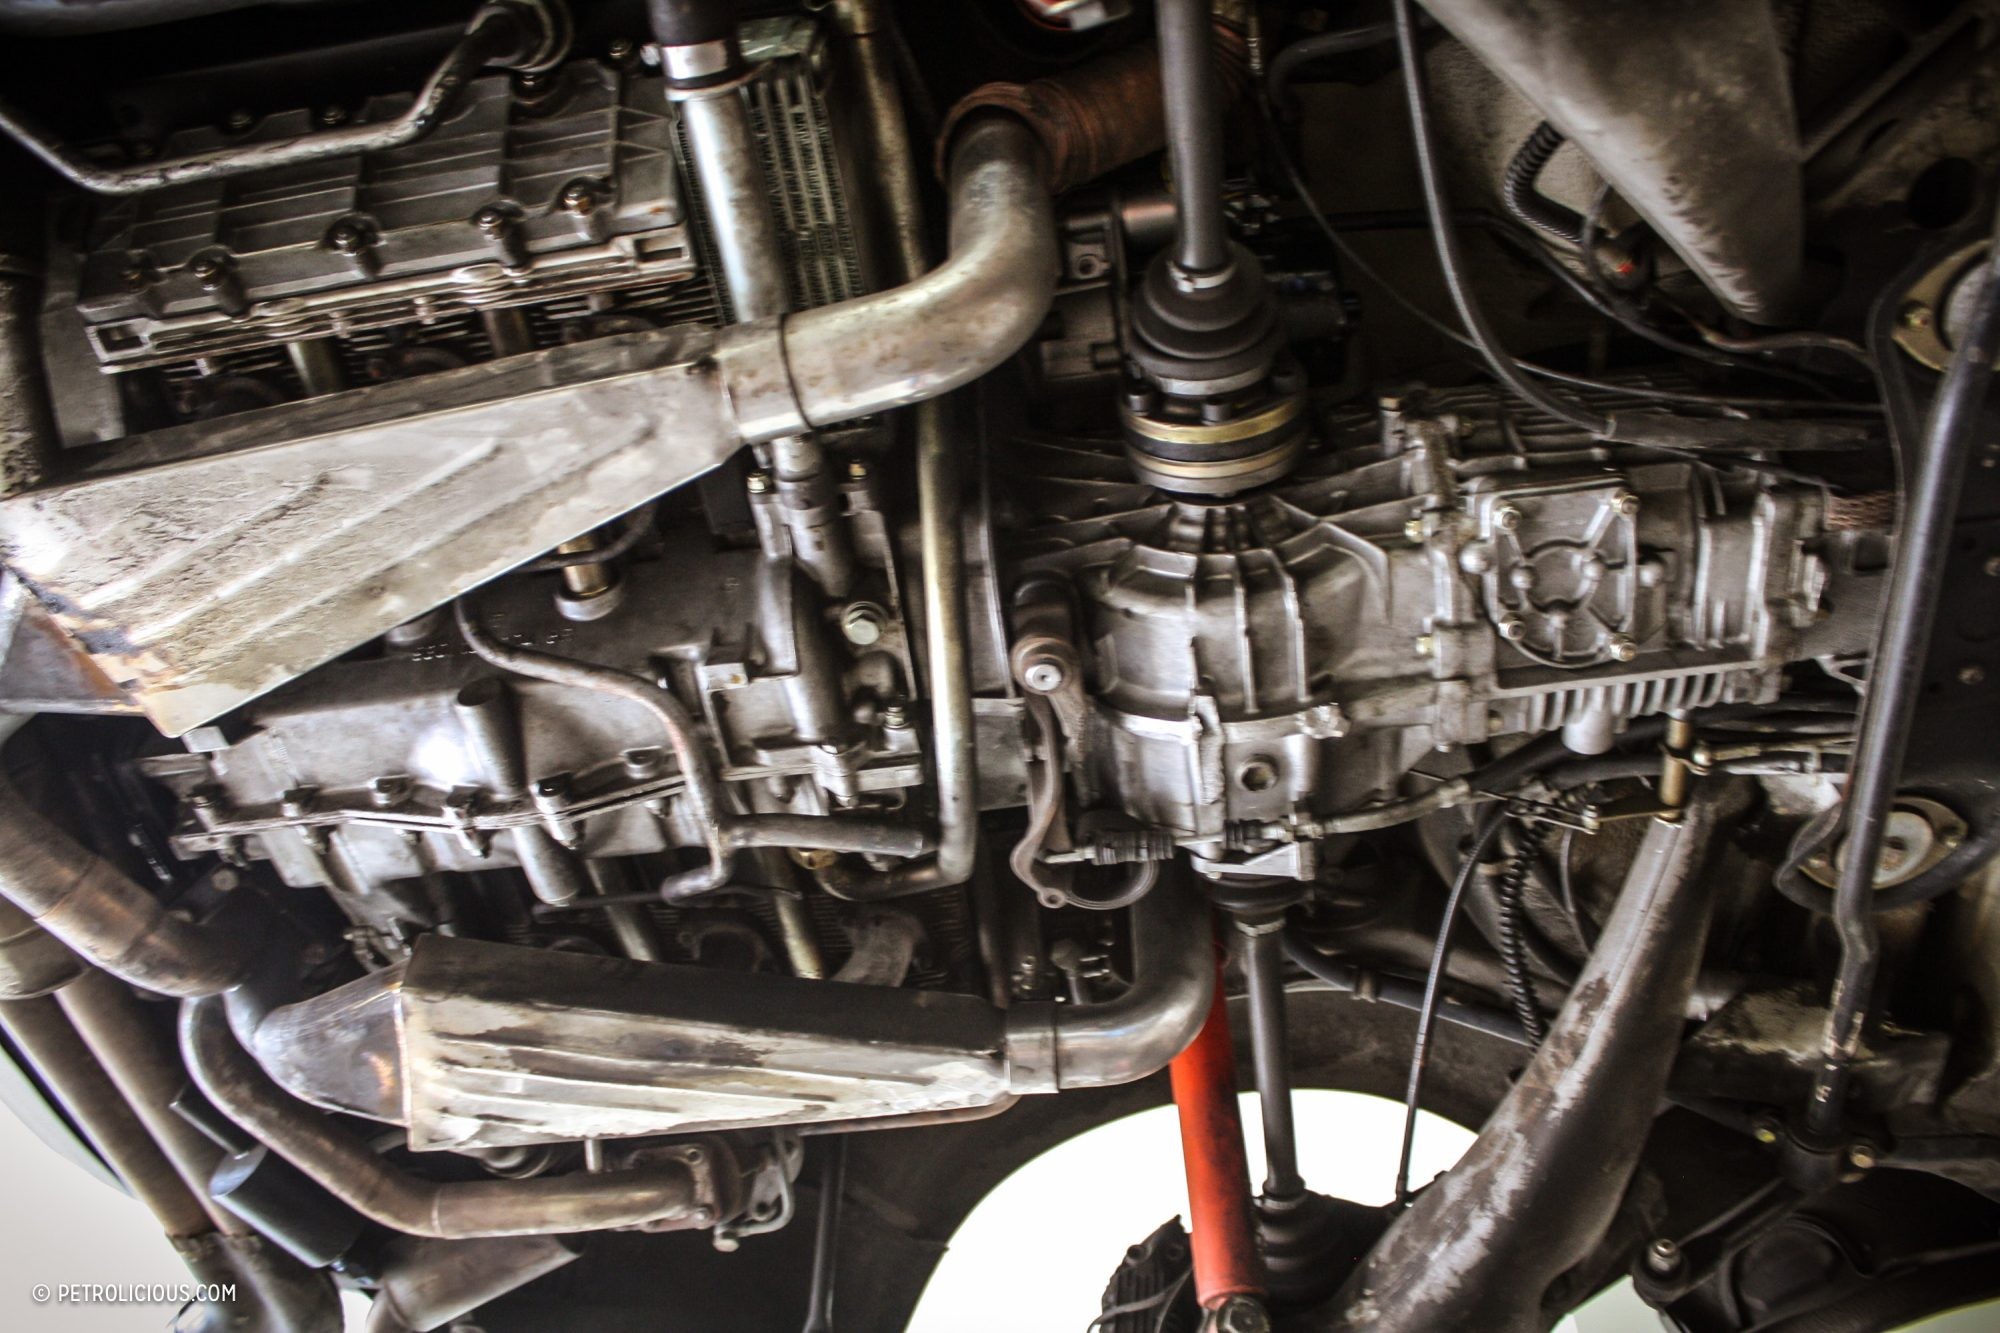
x=1506, y=518
x=1044, y=676
x=580, y=198
x=1621, y=648
x=1624, y=502
x=1663, y=1256
x=758, y=483
x=1513, y=629
x=491, y=220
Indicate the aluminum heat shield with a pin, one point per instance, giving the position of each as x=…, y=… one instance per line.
x=223, y=559
x=473, y=1044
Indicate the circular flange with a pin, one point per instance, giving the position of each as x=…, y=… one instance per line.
x=1217, y=457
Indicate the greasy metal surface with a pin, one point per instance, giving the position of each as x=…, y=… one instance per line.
x=258, y=547
x=500, y=1046
x=472, y=1043
x=408, y=216
x=1482, y=1246
x=1447, y=570
x=270, y=542
x=1688, y=113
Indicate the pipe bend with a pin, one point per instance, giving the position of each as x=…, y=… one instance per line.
x=960, y=320
x=455, y=1210
x=1124, y=1040
x=84, y=901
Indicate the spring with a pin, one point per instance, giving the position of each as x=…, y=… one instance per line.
x=1508, y=887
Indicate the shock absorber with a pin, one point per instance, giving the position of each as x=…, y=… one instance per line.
x=1228, y=1274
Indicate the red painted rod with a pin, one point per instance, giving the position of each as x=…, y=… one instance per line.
x=1226, y=1262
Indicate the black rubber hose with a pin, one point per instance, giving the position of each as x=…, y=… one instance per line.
x=1526, y=203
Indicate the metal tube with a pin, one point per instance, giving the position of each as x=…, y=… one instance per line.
x=426, y=1284
x=742, y=227
x=1909, y=608
x=662, y=1197
x=487, y=716
x=515, y=34
x=87, y=903
x=630, y=925
x=1263, y=970
x=1221, y=1231
x=124, y=1043
x=826, y=1237
x=32, y=961
x=1193, y=104
x=47, y=1041
x=1124, y=1040
x=954, y=741
x=957, y=322
x=26, y=431
x=1539, y=1188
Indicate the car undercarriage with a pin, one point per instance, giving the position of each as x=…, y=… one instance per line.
x=643, y=643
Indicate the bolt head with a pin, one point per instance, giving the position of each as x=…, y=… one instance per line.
x=857, y=469
x=758, y=483
x=1042, y=677
x=1513, y=629
x=136, y=279
x=1863, y=1157
x=579, y=198
x=1663, y=1256
x=239, y=120
x=1972, y=674
x=863, y=623
x=621, y=49
x=1426, y=645
x=491, y=219
x=207, y=269
x=1625, y=503
x=895, y=716
x=1916, y=315
x=1621, y=648
x=1413, y=530
x=333, y=115
x=1507, y=518
x=347, y=238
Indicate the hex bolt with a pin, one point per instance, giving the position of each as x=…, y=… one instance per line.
x=1622, y=649
x=857, y=469
x=758, y=483
x=1767, y=1130
x=491, y=220
x=1625, y=503
x=1972, y=674
x=620, y=50
x=1044, y=677
x=863, y=623
x=1513, y=629
x=1413, y=530
x=137, y=278
x=895, y=716
x=580, y=198
x=238, y=121
x=209, y=271
x=1663, y=1256
x=347, y=237
x=1863, y=1157
x=333, y=115
x=1507, y=518
x=1426, y=645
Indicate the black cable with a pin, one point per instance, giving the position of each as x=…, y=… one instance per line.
x=1489, y=829
x=826, y=1235
x=1530, y=205
x=1509, y=887
x=1452, y=261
